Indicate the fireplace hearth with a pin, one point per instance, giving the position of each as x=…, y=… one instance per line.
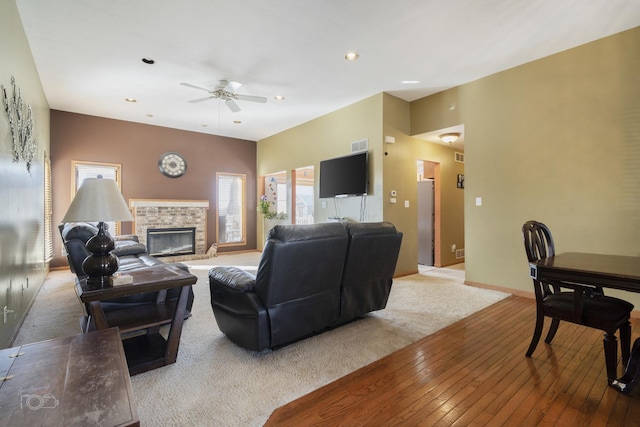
x=171, y=241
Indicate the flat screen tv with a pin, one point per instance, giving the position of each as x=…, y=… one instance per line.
x=344, y=176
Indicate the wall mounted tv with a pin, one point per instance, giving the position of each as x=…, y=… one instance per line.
x=344, y=176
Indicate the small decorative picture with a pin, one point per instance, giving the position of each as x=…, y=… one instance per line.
x=460, y=181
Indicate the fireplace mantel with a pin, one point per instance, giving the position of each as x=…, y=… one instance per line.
x=158, y=213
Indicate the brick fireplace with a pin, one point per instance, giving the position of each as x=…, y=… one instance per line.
x=171, y=214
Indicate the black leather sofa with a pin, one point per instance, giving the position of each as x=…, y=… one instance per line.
x=132, y=255
x=310, y=278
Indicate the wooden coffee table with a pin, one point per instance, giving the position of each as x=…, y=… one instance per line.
x=149, y=350
x=79, y=380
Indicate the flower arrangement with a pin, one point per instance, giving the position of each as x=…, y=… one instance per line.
x=264, y=209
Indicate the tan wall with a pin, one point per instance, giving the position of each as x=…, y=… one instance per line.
x=391, y=167
x=327, y=137
x=22, y=192
x=400, y=174
x=554, y=140
x=137, y=147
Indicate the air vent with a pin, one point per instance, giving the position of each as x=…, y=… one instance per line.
x=459, y=157
x=361, y=145
x=459, y=253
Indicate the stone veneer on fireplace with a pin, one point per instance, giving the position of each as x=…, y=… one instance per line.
x=171, y=214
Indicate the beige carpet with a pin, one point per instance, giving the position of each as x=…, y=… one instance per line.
x=216, y=383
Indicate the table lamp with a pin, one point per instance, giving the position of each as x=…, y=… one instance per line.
x=99, y=200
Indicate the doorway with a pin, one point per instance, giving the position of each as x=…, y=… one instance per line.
x=428, y=218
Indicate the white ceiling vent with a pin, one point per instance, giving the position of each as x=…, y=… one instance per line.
x=361, y=145
x=459, y=157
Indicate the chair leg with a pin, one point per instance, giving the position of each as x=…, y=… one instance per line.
x=625, y=342
x=611, y=356
x=552, y=331
x=537, y=332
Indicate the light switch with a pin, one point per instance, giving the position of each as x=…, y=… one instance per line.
x=392, y=200
x=478, y=201
x=406, y=203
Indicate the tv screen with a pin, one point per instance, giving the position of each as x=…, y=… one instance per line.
x=344, y=176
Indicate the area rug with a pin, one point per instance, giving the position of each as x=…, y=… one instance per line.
x=216, y=383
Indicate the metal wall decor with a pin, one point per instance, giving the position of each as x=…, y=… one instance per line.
x=21, y=125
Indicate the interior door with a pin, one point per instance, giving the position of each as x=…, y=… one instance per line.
x=426, y=221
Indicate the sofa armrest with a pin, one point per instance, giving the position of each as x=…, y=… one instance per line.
x=233, y=278
x=128, y=247
x=133, y=237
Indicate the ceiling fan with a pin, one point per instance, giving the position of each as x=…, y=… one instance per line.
x=226, y=91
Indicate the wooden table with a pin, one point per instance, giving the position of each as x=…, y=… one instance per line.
x=608, y=271
x=149, y=350
x=79, y=380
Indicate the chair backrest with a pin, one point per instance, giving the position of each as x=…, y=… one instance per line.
x=298, y=278
x=369, y=268
x=538, y=242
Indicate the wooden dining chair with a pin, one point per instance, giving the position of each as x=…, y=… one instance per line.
x=577, y=303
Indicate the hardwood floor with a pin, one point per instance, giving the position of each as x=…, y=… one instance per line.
x=475, y=372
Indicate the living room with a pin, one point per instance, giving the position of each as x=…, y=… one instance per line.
x=554, y=139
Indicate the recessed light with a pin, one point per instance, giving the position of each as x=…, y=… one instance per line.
x=148, y=61
x=279, y=98
x=131, y=100
x=351, y=56
x=410, y=82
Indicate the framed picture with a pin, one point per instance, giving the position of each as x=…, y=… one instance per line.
x=460, y=181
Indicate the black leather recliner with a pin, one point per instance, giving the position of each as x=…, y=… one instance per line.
x=307, y=282
x=132, y=255
x=369, y=268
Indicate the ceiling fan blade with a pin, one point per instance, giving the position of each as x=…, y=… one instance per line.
x=195, y=87
x=261, y=99
x=232, y=87
x=195, y=101
x=232, y=105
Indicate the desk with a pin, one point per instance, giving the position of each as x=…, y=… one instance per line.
x=79, y=380
x=608, y=271
x=150, y=350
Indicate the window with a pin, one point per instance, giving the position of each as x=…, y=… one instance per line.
x=304, y=195
x=231, y=224
x=48, y=211
x=82, y=170
x=275, y=185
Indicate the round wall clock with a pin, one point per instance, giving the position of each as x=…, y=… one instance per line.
x=172, y=165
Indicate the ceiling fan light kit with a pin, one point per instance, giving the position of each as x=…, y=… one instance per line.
x=226, y=91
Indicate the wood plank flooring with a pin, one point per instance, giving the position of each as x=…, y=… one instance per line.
x=475, y=372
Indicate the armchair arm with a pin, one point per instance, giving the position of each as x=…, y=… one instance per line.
x=233, y=278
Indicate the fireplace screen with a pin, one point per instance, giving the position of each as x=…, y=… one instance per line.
x=171, y=241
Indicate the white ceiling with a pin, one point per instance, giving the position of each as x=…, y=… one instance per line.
x=89, y=52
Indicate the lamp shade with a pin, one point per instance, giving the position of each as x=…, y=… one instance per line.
x=98, y=199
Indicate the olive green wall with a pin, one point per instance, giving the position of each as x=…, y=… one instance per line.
x=22, y=263
x=556, y=140
x=373, y=118
x=400, y=174
x=327, y=137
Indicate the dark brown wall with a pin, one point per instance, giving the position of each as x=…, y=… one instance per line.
x=137, y=147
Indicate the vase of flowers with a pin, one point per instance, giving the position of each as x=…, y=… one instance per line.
x=264, y=208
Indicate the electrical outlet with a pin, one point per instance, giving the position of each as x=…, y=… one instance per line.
x=453, y=247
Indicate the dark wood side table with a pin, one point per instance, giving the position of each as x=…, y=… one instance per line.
x=149, y=350
x=79, y=380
